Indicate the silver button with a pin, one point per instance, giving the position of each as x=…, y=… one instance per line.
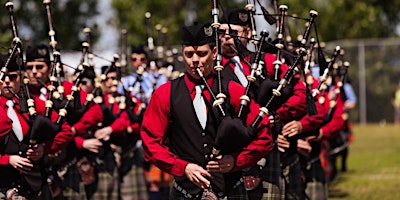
x=203, y=134
x=205, y=145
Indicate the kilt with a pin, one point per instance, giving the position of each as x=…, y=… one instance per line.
x=133, y=184
x=316, y=190
x=326, y=160
x=69, y=193
x=293, y=182
x=271, y=178
x=72, y=187
x=106, y=186
x=266, y=191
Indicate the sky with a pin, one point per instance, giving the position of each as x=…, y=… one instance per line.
x=107, y=44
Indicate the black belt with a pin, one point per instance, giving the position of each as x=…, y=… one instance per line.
x=195, y=196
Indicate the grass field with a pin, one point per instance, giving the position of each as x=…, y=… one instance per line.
x=373, y=165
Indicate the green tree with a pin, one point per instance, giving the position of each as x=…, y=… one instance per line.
x=347, y=19
x=69, y=18
x=169, y=14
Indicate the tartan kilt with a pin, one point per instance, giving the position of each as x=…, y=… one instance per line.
x=314, y=172
x=293, y=182
x=316, y=190
x=325, y=158
x=271, y=185
x=133, y=184
x=69, y=193
x=266, y=191
x=106, y=186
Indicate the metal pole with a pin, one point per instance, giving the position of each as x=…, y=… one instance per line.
x=362, y=83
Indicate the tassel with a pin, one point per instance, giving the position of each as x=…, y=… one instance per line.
x=311, y=108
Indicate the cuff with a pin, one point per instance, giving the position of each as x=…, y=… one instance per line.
x=179, y=167
x=4, y=159
x=79, y=142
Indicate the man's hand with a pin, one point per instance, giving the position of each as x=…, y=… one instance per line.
x=103, y=134
x=292, y=128
x=221, y=164
x=283, y=143
x=36, y=152
x=315, y=138
x=23, y=165
x=197, y=175
x=92, y=145
x=303, y=147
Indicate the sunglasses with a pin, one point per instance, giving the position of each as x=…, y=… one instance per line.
x=38, y=67
x=84, y=82
x=232, y=32
x=12, y=77
x=135, y=59
x=112, y=78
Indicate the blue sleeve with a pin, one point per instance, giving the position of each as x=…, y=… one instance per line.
x=348, y=90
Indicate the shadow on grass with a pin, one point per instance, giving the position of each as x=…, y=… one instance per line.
x=334, y=191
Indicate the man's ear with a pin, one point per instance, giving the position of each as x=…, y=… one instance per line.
x=214, y=52
x=248, y=32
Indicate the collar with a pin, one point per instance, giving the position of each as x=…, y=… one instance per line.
x=191, y=82
x=3, y=101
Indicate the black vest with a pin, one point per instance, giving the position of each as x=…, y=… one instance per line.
x=188, y=140
x=10, y=177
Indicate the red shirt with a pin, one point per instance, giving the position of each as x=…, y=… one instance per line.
x=157, y=117
x=313, y=122
x=5, y=124
x=89, y=121
x=59, y=142
x=337, y=122
x=123, y=122
x=296, y=105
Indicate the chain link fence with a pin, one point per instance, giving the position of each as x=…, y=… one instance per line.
x=374, y=73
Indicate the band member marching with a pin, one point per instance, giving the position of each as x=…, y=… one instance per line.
x=122, y=117
x=21, y=162
x=171, y=117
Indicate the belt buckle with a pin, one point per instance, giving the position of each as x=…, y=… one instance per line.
x=208, y=195
x=11, y=193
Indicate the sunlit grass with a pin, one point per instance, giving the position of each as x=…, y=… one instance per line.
x=373, y=165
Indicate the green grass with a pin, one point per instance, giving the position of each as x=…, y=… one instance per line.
x=373, y=165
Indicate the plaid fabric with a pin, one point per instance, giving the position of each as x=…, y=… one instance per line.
x=106, y=186
x=271, y=178
x=266, y=191
x=71, y=194
x=133, y=185
x=316, y=191
x=294, y=185
x=326, y=162
x=72, y=187
x=272, y=170
x=314, y=172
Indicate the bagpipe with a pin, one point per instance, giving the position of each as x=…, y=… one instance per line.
x=232, y=133
x=41, y=128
